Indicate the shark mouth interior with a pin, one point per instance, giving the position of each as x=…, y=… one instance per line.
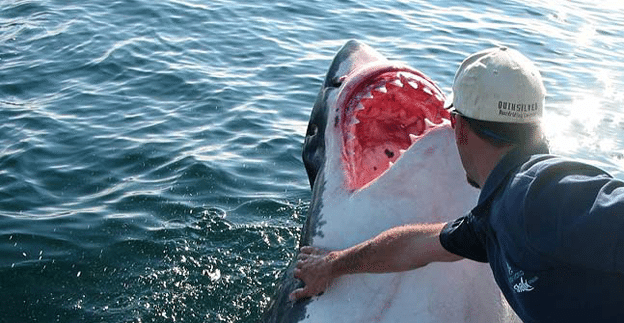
x=386, y=113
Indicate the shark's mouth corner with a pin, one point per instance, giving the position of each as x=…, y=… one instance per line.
x=383, y=115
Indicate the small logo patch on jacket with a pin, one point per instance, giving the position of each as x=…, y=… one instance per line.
x=522, y=284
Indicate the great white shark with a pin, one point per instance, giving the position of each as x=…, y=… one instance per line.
x=379, y=152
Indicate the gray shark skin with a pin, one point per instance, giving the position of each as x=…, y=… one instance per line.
x=379, y=152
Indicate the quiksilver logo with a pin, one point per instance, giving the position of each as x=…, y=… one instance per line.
x=517, y=107
x=517, y=110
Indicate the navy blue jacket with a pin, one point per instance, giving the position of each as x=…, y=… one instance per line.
x=552, y=231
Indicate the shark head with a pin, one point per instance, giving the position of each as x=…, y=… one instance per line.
x=374, y=110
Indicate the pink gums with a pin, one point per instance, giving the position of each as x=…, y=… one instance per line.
x=379, y=117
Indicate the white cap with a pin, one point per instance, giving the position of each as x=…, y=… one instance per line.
x=499, y=84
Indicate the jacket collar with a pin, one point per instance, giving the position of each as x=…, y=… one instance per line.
x=512, y=160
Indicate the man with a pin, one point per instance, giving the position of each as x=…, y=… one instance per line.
x=551, y=229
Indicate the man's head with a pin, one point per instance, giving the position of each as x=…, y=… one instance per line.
x=499, y=85
x=499, y=96
x=501, y=93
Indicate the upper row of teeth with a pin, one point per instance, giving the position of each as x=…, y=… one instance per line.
x=412, y=81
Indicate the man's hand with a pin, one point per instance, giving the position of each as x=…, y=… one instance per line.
x=314, y=268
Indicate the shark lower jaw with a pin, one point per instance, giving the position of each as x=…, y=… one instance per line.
x=384, y=113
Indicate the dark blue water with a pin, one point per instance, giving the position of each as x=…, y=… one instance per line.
x=150, y=163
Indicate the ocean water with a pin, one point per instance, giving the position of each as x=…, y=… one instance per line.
x=150, y=164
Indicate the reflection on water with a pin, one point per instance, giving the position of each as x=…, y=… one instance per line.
x=584, y=74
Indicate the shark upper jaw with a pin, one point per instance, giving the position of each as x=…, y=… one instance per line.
x=381, y=109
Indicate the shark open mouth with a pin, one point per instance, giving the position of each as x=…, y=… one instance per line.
x=385, y=111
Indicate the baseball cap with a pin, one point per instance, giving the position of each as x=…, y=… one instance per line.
x=499, y=85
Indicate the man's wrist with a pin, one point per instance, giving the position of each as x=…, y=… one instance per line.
x=347, y=261
x=335, y=265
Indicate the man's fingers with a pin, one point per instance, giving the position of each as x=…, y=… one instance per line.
x=313, y=270
x=299, y=294
x=307, y=249
x=312, y=250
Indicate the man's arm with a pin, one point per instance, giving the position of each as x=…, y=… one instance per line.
x=397, y=249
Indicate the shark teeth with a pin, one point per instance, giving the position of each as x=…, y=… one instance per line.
x=429, y=123
x=392, y=90
x=397, y=82
x=413, y=84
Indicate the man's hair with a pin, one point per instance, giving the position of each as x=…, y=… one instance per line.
x=500, y=134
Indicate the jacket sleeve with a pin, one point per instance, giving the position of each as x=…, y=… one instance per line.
x=461, y=237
